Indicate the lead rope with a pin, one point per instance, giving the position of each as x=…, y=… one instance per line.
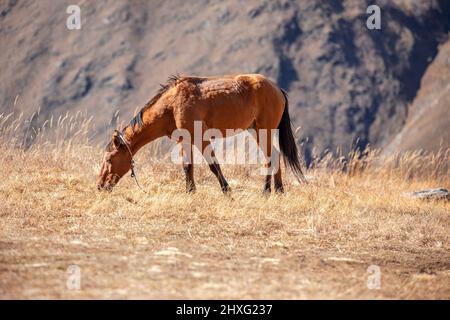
x=133, y=173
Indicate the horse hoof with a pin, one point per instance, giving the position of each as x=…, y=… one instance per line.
x=226, y=190
x=279, y=190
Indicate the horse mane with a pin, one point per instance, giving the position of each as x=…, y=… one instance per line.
x=137, y=119
x=164, y=87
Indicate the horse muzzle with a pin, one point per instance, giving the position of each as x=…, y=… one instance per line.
x=108, y=184
x=105, y=187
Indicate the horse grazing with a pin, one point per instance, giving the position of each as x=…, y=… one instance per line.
x=222, y=103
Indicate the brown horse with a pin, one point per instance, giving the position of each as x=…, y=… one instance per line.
x=223, y=103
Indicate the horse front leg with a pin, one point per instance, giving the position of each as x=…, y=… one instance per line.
x=188, y=167
x=208, y=154
x=189, y=172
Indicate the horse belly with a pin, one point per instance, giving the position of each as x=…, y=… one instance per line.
x=230, y=116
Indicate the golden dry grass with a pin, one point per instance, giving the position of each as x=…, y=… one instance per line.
x=316, y=241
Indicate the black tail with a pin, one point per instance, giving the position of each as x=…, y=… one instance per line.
x=287, y=142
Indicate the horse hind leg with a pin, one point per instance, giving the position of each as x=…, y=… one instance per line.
x=276, y=171
x=267, y=188
x=266, y=147
x=278, y=181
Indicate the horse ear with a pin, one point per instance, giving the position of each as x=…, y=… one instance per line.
x=116, y=140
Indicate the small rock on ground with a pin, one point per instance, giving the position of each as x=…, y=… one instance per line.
x=430, y=194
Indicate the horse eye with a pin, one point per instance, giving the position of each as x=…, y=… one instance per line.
x=108, y=161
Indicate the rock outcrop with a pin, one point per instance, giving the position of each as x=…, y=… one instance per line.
x=428, y=124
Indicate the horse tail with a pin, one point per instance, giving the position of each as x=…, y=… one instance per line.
x=287, y=143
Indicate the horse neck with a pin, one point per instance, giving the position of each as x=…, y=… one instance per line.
x=155, y=125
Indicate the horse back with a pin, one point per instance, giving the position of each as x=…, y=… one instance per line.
x=229, y=102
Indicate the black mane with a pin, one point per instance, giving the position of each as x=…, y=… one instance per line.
x=137, y=119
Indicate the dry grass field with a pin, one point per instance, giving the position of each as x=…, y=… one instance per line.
x=315, y=241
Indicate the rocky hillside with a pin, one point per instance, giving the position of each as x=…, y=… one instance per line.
x=428, y=123
x=348, y=85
